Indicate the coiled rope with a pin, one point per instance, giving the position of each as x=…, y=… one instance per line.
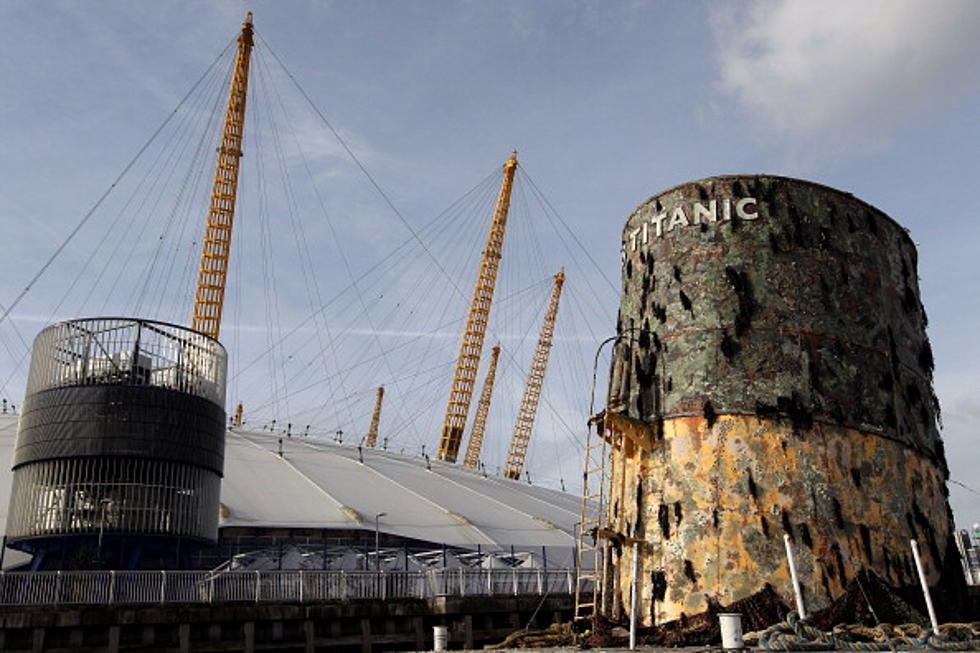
x=796, y=634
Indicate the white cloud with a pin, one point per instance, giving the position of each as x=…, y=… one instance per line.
x=846, y=71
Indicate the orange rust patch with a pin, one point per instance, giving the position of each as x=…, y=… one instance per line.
x=731, y=542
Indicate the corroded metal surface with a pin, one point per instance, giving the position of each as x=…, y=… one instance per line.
x=773, y=339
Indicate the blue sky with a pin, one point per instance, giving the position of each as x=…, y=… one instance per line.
x=608, y=103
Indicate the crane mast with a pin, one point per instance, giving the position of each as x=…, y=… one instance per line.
x=529, y=404
x=471, y=347
x=372, y=436
x=209, y=299
x=475, y=445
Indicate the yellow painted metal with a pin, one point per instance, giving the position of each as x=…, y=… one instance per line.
x=532, y=392
x=372, y=437
x=713, y=501
x=471, y=346
x=209, y=299
x=475, y=446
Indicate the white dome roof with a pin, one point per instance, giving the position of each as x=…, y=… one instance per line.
x=321, y=484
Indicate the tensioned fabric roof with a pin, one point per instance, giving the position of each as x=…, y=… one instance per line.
x=322, y=484
x=8, y=437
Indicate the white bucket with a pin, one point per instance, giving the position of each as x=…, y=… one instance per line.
x=440, y=637
x=731, y=630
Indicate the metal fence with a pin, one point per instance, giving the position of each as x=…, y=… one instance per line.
x=149, y=587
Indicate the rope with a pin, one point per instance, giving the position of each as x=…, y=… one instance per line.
x=796, y=634
x=88, y=215
x=415, y=235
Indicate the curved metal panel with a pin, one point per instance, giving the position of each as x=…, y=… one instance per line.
x=122, y=351
x=113, y=496
x=121, y=420
x=773, y=339
x=774, y=296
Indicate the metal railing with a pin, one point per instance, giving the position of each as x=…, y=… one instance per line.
x=301, y=586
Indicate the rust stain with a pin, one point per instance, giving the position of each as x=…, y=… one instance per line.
x=777, y=379
x=720, y=538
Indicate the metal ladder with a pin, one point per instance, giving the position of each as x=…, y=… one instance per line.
x=589, y=562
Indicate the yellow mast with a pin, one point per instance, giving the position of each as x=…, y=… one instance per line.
x=535, y=379
x=471, y=347
x=372, y=436
x=209, y=300
x=475, y=445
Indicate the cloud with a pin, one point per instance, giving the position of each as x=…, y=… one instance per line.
x=845, y=71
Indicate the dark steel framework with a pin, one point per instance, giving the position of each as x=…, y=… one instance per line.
x=120, y=447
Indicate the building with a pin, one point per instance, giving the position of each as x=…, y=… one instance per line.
x=315, y=505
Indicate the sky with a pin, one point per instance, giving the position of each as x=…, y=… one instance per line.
x=607, y=102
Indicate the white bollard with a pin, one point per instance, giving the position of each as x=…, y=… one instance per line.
x=731, y=630
x=440, y=636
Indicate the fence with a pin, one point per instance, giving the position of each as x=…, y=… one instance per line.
x=160, y=587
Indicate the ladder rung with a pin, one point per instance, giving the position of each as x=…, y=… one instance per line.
x=591, y=519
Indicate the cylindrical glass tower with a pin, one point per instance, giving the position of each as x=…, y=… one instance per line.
x=120, y=449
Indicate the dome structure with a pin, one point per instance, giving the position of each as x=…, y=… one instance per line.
x=325, y=485
x=317, y=490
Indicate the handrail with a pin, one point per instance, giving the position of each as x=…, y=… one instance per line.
x=67, y=588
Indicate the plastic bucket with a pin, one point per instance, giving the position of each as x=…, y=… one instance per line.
x=731, y=630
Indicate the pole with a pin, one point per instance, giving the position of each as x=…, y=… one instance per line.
x=212, y=275
x=101, y=526
x=104, y=502
x=377, y=539
x=634, y=586
x=796, y=580
x=471, y=346
x=925, y=587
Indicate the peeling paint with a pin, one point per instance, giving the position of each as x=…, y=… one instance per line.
x=786, y=387
x=727, y=536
